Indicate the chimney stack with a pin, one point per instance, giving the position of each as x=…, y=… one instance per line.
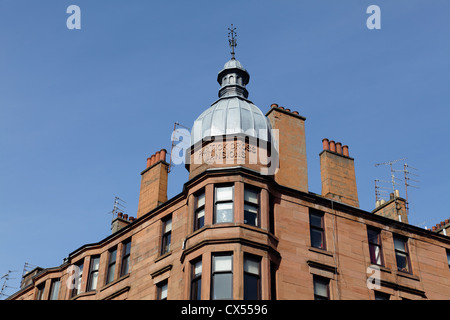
x=394, y=208
x=293, y=170
x=120, y=222
x=338, y=173
x=442, y=228
x=153, y=190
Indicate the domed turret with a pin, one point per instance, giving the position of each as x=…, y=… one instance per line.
x=232, y=117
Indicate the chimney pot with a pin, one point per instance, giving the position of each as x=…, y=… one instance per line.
x=447, y=221
x=153, y=160
x=326, y=144
x=274, y=105
x=288, y=110
x=339, y=147
x=149, y=159
x=332, y=146
x=157, y=156
x=295, y=112
x=131, y=219
x=345, y=151
x=119, y=215
x=433, y=228
x=162, y=155
x=282, y=108
x=125, y=216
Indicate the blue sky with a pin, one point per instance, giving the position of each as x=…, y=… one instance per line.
x=81, y=110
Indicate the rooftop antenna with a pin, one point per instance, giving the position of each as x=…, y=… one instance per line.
x=27, y=267
x=406, y=173
x=118, y=207
x=6, y=277
x=393, y=181
x=380, y=192
x=393, y=178
x=178, y=144
x=407, y=184
x=232, y=40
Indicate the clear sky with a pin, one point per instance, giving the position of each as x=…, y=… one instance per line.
x=81, y=110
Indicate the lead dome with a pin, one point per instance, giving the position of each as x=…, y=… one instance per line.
x=232, y=113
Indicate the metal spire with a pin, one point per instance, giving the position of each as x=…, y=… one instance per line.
x=232, y=40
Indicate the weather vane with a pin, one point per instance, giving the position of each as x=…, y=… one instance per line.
x=232, y=40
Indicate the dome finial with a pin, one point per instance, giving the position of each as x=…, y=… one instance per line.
x=232, y=40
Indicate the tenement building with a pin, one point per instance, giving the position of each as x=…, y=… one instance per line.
x=246, y=226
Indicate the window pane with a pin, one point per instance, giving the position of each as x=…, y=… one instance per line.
x=111, y=272
x=375, y=254
x=201, y=222
x=40, y=294
x=399, y=244
x=112, y=256
x=94, y=277
x=321, y=287
x=168, y=225
x=402, y=261
x=315, y=220
x=316, y=239
x=54, y=290
x=127, y=248
x=166, y=243
x=448, y=257
x=222, y=263
x=251, y=196
x=196, y=293
x=224, y=212
x=163, y=291
x=251, y=287
x=125, y=265
x=196, y=283
x=80, y=275
x=382, y=296
x=250, y=218
x=95, y=263
x=198, y=268
x=201, y=200
x=373, y=236
x=200, y=213
x=222, y=286
x=224, y=193
x=251, y=265
x=251, y=208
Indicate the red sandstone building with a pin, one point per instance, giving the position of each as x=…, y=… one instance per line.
x=247, y=227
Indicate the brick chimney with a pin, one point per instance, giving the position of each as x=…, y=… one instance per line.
x=120, y=221
x=443, y=227
x=394, y=209
x=153, y=183
x=293, y=171
x=337, y=171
